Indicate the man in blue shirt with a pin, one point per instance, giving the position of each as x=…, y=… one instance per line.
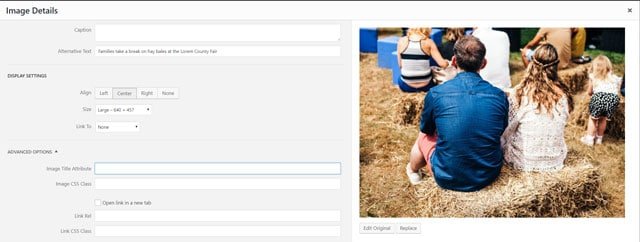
x=461, y=125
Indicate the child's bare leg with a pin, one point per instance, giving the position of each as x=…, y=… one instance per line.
x=602, y=126
x=592, y=126
x=416, y=158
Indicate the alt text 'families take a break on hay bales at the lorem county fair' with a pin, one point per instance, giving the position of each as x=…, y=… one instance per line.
x=492, y=122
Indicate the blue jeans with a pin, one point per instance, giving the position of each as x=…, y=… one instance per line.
x=406, y=88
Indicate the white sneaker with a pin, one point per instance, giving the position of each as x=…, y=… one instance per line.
x=587, y=140
x=414, y=177
x=598, y=140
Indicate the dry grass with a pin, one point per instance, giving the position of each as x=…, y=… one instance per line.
x=576, y=77
x=386, y=137
x=408, y=108
x=567, y=193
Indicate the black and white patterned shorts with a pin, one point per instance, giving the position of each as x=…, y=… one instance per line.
x=603, y=105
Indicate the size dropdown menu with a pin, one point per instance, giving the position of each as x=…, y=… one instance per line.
x=123, y=109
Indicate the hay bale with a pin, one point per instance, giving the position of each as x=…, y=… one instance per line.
x=580, y=116
x=567, y=193
x=575, y=77
x=408, y=108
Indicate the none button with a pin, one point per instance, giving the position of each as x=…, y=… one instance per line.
x=168, y=93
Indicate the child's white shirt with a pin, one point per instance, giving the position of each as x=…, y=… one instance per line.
x=612, y=85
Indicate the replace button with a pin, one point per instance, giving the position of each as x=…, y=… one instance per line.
x=409, y=229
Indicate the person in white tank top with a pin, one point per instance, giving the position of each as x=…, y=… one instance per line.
x=414, y=52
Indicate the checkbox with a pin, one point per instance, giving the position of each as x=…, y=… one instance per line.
x=98, y=202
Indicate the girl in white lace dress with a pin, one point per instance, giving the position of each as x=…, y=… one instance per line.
x=604, y=88
x=538, y=112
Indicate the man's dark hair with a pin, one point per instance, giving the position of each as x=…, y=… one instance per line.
x=469, y=53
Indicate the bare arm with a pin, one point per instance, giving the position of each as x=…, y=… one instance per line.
x=535, y=41
x=402, y=46
x=523, y=54
x=432, y=49
x=590, y=88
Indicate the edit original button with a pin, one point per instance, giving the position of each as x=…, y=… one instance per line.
x=377, y=228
